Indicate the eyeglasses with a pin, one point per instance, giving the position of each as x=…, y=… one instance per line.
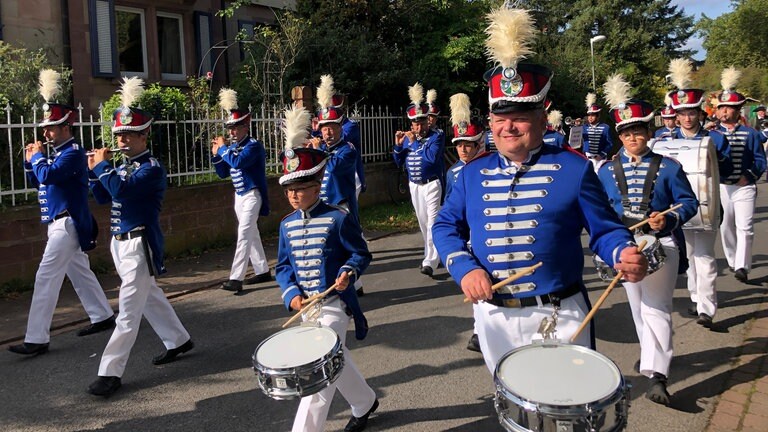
x=298, y=190
x=633, y=132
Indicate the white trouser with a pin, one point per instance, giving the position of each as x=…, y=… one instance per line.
x=596, y=161
x=139, y=295
x=736, y=230
x=502, y=329
x=249, y=245
x=651, y=304
x=702, y=270
x=62, y=256
x=313, y=410
x=426, y=202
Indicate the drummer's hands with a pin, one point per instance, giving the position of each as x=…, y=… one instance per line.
x=296, y=303
x=342, y=282
x=633, y=263
x=657, y=221
x=742, y=181
x=477, y=285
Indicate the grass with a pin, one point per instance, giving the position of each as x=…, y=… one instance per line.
x=12, y=288
x=389, y=217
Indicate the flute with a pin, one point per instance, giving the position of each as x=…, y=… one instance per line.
x=117, y=150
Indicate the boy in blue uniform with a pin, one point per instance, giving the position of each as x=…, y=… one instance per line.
x=245, y=160
x=136, y=190
x=62, y=183
x=528, y=202
x=596, y=136
x=669, y=118
x=640, y=184
x=738, y=191
x=421, y=150
x=321, y=245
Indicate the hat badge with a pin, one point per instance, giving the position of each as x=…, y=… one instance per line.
x=47, y=111
x=125, y=116
x=511, y=83
x=462, y=127
x=292, y=163
x=682, y=97
x=325, y=113
x=625, y=112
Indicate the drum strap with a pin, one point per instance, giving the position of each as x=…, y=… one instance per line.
x=621, y=182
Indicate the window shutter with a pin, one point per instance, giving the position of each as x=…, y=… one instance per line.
x=204, y=41
x=101, y=21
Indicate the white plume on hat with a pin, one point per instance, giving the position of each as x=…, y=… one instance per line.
x=431, y=96
x=297, y=122
x=617, y=90
x=131, y=89
x=49, y=84
x=680, y=71
x=510, y=34
x=729, y=78
x=460, y=112
x=555, y=118
x=325, y=92
x=667, y=100
x=591, y=99
x=227, y=99
x=416, y=94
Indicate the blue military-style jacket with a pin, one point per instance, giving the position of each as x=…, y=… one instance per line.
x=722, y=148
x=554, y=138
x=62, y=183
x=338, y=184
x=452, y=175
x=664, y=133
x=136, y=189
x=246, y=163
x=350, y=132
x=315, y=247
x=747, y=154
x=423, y=158
x=597, y=139
x=516, y=216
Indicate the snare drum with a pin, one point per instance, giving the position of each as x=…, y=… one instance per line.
x=699, y=161
x=298, y=361
x=551, y=386
x=653, y=252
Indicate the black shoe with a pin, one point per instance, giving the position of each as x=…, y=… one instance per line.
x=693, y=310
x=636, y=367
x=657, y=390
x=426, y=270
x=259, y=278
x=232, y=285
x=360, y=292
x=100, y=326
x=171, y=354
x=105, y=386
x=357, y=424
x=704, y=320
x=474, y=344
x=29, y=348
x=741, y=275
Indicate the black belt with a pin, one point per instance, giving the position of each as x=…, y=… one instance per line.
x=532, y=301
x=61, y=215
x=129, y=235
x=430, y=180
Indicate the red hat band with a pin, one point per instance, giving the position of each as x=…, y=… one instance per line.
x=128, y=119
x=329, y=115
x=467, y=132
x=634, y=111
x=731, y=98
x=687, y=98
x=301, y=165
x=433, y=110
x=237, y=116
x=594, y=109
x=668, y=112
x=337, y=100
x=56, y=114
x=525, y=84
x=416, y=112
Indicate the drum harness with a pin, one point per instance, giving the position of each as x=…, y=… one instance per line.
x=621, y=182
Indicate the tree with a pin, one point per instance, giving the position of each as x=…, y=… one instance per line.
x=738, y=38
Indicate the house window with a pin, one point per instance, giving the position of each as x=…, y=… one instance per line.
x=247, y=30
x=131, y=41
x=170, y=41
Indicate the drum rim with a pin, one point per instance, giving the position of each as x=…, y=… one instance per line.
x=296, y=392
x=337, y=346
x=559, y=411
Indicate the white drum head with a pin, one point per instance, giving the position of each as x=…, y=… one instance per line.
x=297, y=346
x=559, y=374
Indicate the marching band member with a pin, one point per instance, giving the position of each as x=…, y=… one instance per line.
x=738, y=190
x=467, y=137
x=421, y=150
x=136, y=190
x=526, y=203
x=669, y=118
x=350, y=130
x=687, y=103
x=640, y=184
x=245, y=161
x=62, y=183
x=434, y=111
x=596, y=136
x=553, y=135
x=332, y=238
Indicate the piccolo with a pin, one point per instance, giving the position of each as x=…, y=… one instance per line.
x=117, y=150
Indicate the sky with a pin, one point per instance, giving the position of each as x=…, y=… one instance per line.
x=712, y=8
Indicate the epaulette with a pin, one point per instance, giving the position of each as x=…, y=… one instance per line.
x=480, y=156
x=153, y=162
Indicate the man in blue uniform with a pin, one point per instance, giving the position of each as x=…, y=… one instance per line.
x=554, y=135
x=686, y=102
x=350, y=130
x=738, y=190
x=136, y=190
x=525, y=204
x=596, y=136
x=421, y=150
x=62, y=183
x=244, y=159
x=640, y=184
x=321, y=245
x=669, y=118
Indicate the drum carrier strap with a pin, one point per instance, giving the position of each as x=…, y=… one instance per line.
x=621, y=182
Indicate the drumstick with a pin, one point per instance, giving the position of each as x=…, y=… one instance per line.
x=645, y=221
x=311, y=303
x=602, y=298
x=523, y=272
x=322, y=295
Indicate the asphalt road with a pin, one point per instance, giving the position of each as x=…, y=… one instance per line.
x=414, y=358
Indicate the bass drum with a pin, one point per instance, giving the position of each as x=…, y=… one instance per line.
x=699, y=161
